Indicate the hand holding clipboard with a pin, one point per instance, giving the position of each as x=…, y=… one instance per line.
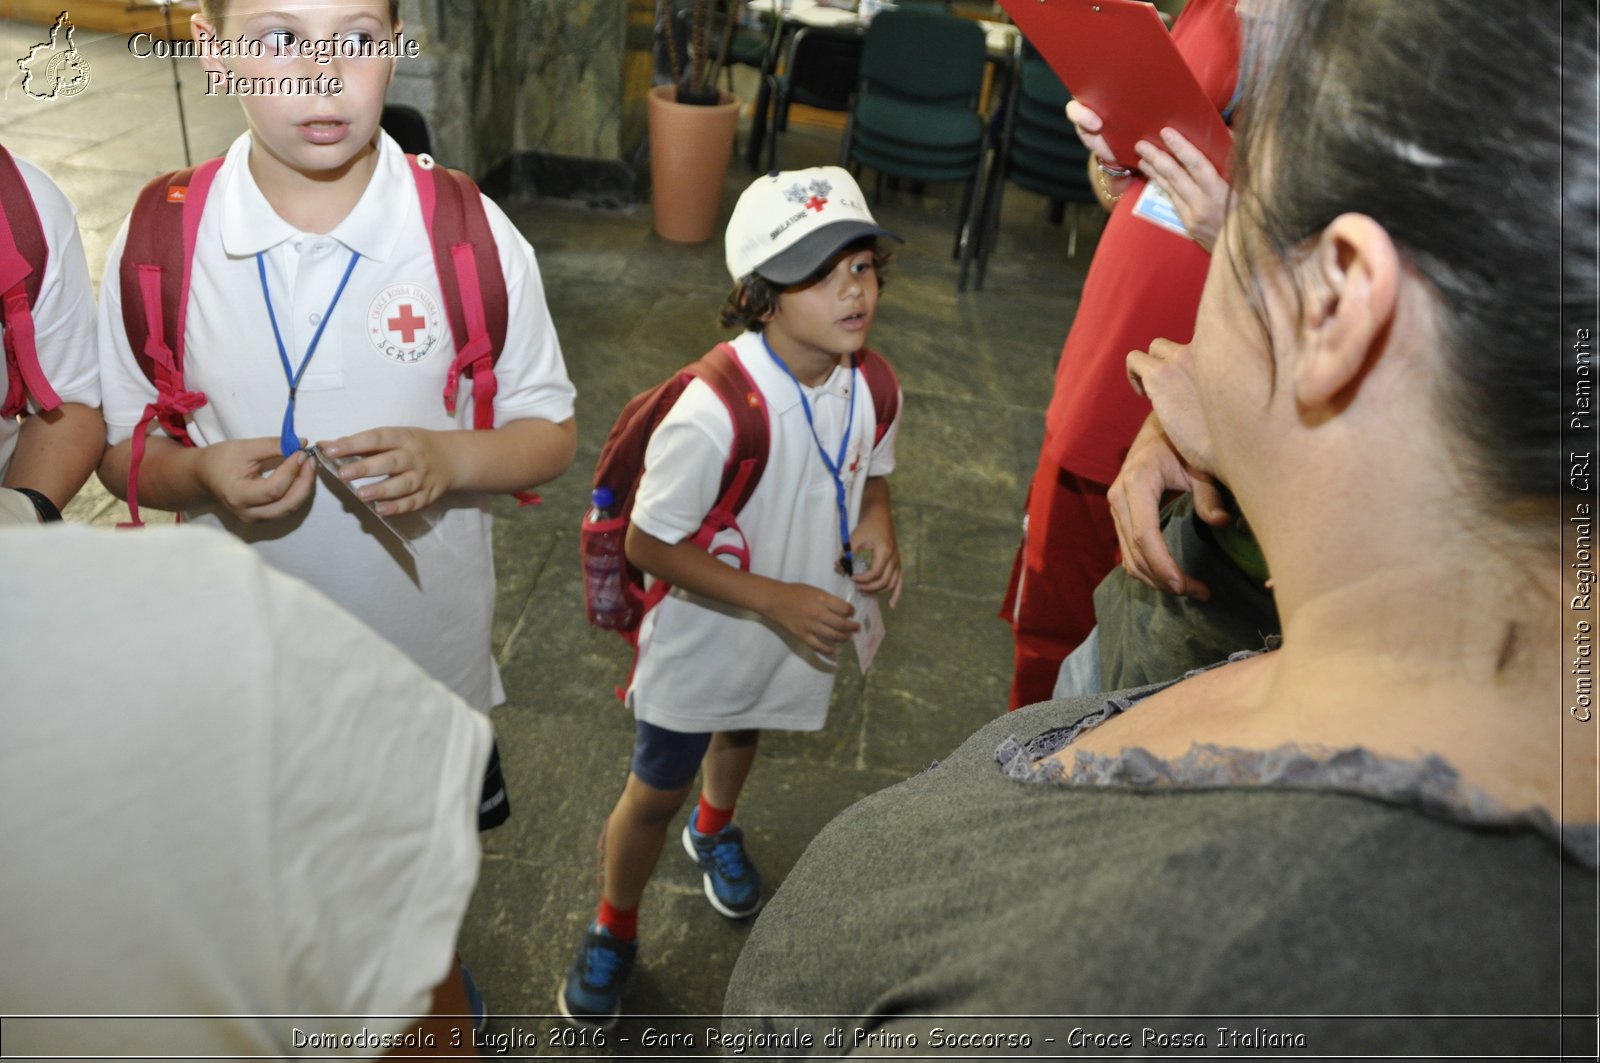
x=1118, y=59
x=1137, y=104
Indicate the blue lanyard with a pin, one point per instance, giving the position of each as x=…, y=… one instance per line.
x=835, y=466
x=290, y=442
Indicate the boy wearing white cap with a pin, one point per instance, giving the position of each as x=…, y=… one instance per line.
x=730, y=652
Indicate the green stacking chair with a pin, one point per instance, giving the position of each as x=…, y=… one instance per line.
x=1038, y=151
x=915, y=114
x=820, y=70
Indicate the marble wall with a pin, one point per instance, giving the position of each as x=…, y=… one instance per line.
x=525, y=89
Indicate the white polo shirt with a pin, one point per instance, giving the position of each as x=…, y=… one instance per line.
x=382, y=360
x=706, y=666
x=63, y=316
x=249, y=810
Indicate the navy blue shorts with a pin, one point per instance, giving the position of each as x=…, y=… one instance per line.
x=667, y=760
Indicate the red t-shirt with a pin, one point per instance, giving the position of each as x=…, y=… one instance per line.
x=1144, y=283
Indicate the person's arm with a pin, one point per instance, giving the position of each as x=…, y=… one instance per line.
x=1108, y=187
x=1152, y=468
x=421, y=464
x=175, y=477
x=56, y=451
x=875, y=532
x=815, y=617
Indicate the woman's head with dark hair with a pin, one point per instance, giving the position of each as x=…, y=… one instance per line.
x=1467, y=132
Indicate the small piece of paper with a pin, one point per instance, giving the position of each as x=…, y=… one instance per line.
x=869, y=636
x=331, y=467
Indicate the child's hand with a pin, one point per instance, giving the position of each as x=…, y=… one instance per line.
x=415, y=463
x=873, y=541
x=253, y=480
x=812, y=615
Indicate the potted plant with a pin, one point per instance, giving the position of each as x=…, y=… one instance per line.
x=692, y=123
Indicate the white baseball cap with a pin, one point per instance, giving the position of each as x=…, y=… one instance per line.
x=787, y=225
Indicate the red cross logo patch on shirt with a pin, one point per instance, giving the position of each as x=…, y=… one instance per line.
x=404, y=323
x=407, y=324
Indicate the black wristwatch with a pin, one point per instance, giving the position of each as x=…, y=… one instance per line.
x=47, y=509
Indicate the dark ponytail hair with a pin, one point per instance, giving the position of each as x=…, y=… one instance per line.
x=1467, y=130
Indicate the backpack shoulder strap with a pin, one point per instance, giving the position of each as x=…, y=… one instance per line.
x=884, y=387
x=24, y=254
x=470, y=279
x=157, y=259
x=721, y=369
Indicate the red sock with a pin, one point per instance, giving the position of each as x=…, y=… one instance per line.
x=620, y=924
x=710, y=819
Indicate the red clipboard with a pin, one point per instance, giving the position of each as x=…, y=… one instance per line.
x=1118, y=58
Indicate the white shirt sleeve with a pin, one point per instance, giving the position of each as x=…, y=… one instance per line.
x=63, y=315
x=530, y=375
x=378, y=771
x=683, y=465
x=257, y=811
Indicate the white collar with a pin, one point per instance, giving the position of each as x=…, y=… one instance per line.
x=386, y=207
x=777, y=385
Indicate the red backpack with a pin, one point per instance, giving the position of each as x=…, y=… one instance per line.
x=23, y=255
x=155, y=292
x=621, y=461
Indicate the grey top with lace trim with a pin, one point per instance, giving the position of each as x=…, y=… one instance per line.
x=1430, y=784
x=1290, y=890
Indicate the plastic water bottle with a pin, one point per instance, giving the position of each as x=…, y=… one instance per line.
x=605, y=564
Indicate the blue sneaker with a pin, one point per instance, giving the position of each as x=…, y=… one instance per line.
x=732, y=884
x=592, y=993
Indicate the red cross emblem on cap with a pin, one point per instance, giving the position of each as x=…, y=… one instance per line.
x=816, y=203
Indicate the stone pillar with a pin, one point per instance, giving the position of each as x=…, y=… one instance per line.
x=527, y=95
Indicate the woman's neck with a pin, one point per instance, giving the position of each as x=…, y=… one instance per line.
x=1445, y=657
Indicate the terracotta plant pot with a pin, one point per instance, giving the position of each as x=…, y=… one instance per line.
x=689, y=151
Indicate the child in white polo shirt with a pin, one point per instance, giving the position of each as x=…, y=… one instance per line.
x=313, y=264
x=47, y=453
x=730, y=652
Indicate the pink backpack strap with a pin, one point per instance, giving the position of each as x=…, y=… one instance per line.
x=884, y=387
x=154, y=277
x=472, y=282
x=23, y=257
x=722, y=371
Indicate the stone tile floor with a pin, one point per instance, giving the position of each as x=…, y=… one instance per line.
x=976, y=368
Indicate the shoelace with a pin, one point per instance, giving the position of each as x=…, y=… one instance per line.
x=603, y=963
x=729, y=858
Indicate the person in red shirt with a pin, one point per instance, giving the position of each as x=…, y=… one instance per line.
x=1143, y=284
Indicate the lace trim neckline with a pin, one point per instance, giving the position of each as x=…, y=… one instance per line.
x=1431, y=784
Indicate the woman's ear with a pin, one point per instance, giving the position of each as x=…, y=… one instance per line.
x=1352, y=279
